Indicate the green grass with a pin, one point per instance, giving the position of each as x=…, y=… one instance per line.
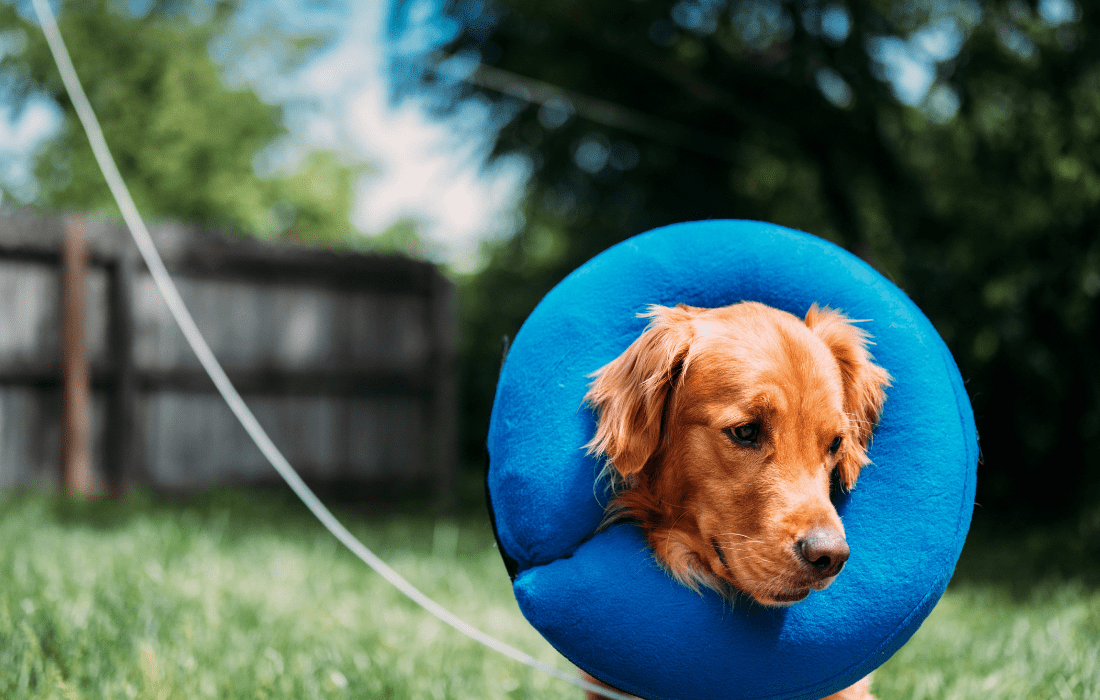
x=236, y=595
x=981, y=642
x=1020, y=620
x=239, y=596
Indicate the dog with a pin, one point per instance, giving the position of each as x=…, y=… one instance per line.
x=726, y=431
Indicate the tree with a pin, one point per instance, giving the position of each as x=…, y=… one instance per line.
x=184, y=142
x=952, y=146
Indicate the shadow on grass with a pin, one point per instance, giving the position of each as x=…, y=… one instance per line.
x=1018, y=556
x=236, y=512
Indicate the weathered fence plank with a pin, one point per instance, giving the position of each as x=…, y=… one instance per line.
x=347, y=359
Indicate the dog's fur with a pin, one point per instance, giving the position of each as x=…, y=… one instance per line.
x=725, y=431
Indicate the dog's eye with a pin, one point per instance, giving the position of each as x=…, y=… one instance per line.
x=835, y=445
x=746, y=434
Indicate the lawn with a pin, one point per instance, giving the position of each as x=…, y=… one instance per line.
x=242, y=595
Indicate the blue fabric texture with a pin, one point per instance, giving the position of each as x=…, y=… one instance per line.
x=602, y=600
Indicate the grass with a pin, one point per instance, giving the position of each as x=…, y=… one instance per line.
x=981, y=642
x=239, y=595
x=1020, y=620
x=243, y=596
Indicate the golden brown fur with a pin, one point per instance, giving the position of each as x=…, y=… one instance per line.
x=724, y=431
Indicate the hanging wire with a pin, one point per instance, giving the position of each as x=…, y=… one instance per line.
x=186, y=323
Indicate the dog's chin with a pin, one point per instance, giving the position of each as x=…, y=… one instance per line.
x=765, y=595
x=786, y=597
x=782, y=599
x=823, y=583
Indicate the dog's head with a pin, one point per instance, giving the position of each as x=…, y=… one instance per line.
x=724, y=431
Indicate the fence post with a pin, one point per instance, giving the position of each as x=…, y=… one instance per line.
x=76, y=468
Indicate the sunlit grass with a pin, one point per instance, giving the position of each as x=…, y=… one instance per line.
x=245, y=597
x=237, y=595
x=982, y=642
x=1020, y=620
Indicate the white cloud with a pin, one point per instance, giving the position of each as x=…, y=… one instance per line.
x=424, y=169
x=22, y=134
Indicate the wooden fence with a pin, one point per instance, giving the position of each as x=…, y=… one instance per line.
x=346, y=359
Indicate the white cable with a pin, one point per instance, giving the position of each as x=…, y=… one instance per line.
x=236, y=404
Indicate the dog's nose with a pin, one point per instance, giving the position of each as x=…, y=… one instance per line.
x=825, y=551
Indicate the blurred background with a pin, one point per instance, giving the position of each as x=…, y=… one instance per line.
x=434, y=167
x=952, y=145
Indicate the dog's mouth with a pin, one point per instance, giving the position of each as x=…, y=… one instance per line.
x=793, y=593
x=780, y=591
x=789, y=596
x=721, y=556
x=798, y=591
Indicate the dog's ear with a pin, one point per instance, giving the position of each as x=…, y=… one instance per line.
x=629, y=393
x=864, y=384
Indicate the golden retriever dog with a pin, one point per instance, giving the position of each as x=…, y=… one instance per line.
x=724, y=432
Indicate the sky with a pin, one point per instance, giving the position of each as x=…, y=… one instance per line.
x=22, y=133
x=433, y=171
x=429, y=170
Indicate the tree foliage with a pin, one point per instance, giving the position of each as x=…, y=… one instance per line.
x=184, y=141
x=976, y=190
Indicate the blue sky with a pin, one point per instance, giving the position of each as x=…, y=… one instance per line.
x=23, y=132
x=429, y=170
x=433, y=171
x=426, y=169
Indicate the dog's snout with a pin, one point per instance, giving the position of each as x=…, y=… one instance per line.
x=825, y=551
